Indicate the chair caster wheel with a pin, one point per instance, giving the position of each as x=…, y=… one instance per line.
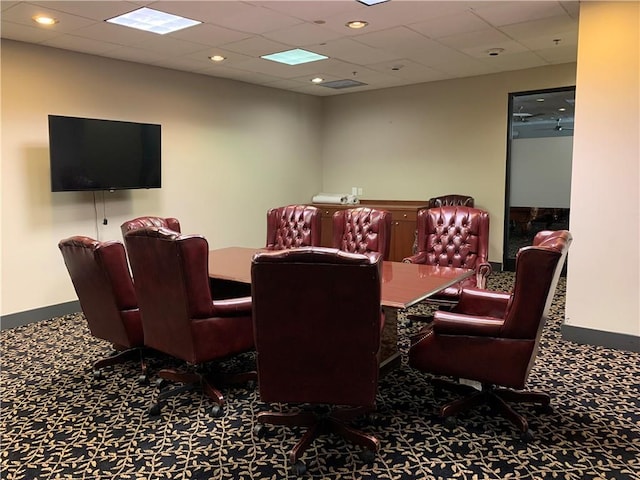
x=298, y=468
x=450, y=422
x=527, y=436
x=545, y=409
x=258, y=430
x=98, y=375
x=154, y=410
x=367, y=455
x=160, y=383
x=216, y=411
x=143, y=379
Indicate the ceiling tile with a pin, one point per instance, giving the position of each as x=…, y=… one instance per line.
x=80, y=44
x=558, y=54
x=169, y=46
x=99, y=11
x=25, y=33
x=113, y=33
x=302, y=35
x=231, y=58
x=349, y=50
x=23, y=13
x=256, y=46
x=464, y=22
x=516, y=61
x=312, y=10
x=279, y=70
x=488, y=38
x=133, y=54
x=208, y=34
x=506, y=13
x=409, y=70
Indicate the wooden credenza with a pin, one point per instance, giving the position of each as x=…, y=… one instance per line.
x=403, y=222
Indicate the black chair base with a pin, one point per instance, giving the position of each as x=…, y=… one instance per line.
x=496, y=397
x=196, y=380
x=327, y=421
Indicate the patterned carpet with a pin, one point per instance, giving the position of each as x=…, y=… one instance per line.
x=57, y=422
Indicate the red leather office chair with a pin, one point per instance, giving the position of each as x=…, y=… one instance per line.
x=101, y=279
x=493, y=337
x=362, y=230
x=317, y=323
x=143, y=222
x=454, y=237
x=179, y=318
x=451, y=200
x=293, y=226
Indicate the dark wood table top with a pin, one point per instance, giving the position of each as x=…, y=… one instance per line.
x=403, y=284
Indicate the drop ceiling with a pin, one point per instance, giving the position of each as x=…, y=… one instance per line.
x=405, y=42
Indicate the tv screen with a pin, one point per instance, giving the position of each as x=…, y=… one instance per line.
x=93, y=154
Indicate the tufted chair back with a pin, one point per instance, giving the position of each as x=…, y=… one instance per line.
x=362, y=230
x=293, y=226
x=143, y=222
x=451, y=200
x=453, y=236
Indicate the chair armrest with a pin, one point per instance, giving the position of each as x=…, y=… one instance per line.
x=482, y=303
x=420, y=257
x=232, y=307
x=483, y=270
x=451, y=323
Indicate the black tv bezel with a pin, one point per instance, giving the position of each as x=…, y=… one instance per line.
x=111, y=188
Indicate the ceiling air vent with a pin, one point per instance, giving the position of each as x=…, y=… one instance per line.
x=347, y=83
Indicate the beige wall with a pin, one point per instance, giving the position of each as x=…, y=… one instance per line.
x=230, y=151
x=603, y=281
x=415, y=142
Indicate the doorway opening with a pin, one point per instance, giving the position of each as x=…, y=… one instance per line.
x=538, y=174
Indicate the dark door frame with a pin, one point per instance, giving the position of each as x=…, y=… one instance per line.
x=509, y=264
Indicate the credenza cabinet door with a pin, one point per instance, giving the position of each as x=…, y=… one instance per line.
x=403, y=234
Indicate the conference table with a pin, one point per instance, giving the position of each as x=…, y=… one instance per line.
x=403, y=285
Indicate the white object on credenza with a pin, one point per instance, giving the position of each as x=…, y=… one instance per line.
x=336, y=198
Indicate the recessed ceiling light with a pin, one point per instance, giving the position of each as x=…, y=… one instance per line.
x=317, y=80
x=153, y=21
x=368, y=3
x=494, y=52
x=44, y=20
x=562, y=109
x=356, y=24
x=217, y=58
x=539, y=99
x=294, y=57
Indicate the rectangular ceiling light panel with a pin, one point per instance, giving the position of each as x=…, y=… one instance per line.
x=372, y=2
x=294, y=57
x=153, y=21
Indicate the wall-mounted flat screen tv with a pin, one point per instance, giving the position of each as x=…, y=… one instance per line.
x=94, y=154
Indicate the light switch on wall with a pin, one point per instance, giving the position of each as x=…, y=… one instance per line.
x=354, y=190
